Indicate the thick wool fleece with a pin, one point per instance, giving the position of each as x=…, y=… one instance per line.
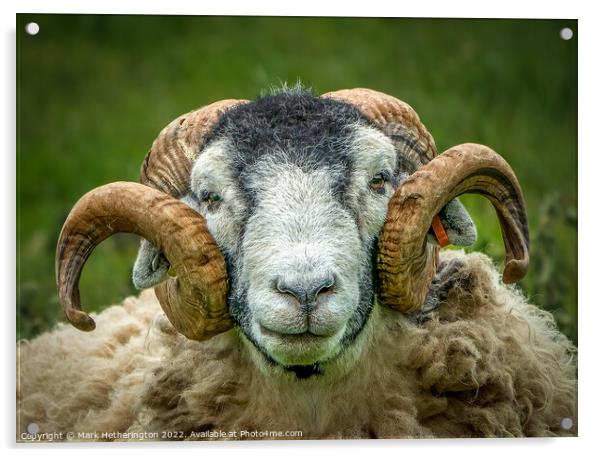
x=485, y=363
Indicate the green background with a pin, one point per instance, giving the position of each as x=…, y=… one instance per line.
x=94, y=91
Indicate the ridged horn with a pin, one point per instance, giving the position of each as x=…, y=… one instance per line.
x=396, y=119
x=406, y=262
x=168, y=164
x=195, y=301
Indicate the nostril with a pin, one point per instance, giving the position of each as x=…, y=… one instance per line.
x=306, y=290
x=290, y=288
x=281, y=286
x=327, y=286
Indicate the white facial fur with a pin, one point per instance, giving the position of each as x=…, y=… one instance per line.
x=298, y=232
x=211, y=172
x=373, y=153
x=296, y=235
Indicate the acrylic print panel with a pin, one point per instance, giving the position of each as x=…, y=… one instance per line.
x=311, y=267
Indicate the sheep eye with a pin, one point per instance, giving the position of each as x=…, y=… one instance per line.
x=211, y=197
x=378, y=181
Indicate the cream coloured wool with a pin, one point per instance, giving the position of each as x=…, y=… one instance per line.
x=485, y=363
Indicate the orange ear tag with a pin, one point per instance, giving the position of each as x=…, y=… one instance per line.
x=440, y=232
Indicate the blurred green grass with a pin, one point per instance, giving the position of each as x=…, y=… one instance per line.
x=94, y=91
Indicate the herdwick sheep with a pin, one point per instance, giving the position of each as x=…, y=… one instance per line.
x=309, y=297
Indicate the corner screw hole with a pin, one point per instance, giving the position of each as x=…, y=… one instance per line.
x=566, y=423
x=32, y=28
x=566, y=34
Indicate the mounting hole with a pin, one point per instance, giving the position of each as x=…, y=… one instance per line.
x=32, y=28
x=566, y=34
x=33, y=428
x=566, y=423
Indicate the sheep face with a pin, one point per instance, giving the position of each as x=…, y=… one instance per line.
x=294, y=189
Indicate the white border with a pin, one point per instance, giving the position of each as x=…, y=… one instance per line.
x=589, y=37
x=382, y=8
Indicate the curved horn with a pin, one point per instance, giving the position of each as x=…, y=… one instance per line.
x=406, y=262
x=167, y=165
x=194, y=301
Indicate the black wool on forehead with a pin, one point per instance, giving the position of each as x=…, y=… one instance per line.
x=296, y=126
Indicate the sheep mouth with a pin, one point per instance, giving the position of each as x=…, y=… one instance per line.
x=301, y=337
x=303, y=348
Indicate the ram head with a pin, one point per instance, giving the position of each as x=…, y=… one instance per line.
x=291, y=217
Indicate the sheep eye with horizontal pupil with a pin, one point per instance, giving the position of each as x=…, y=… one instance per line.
x=378, y=181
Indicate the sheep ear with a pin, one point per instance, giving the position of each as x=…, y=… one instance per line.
x=458, y=224
x=151, y=266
